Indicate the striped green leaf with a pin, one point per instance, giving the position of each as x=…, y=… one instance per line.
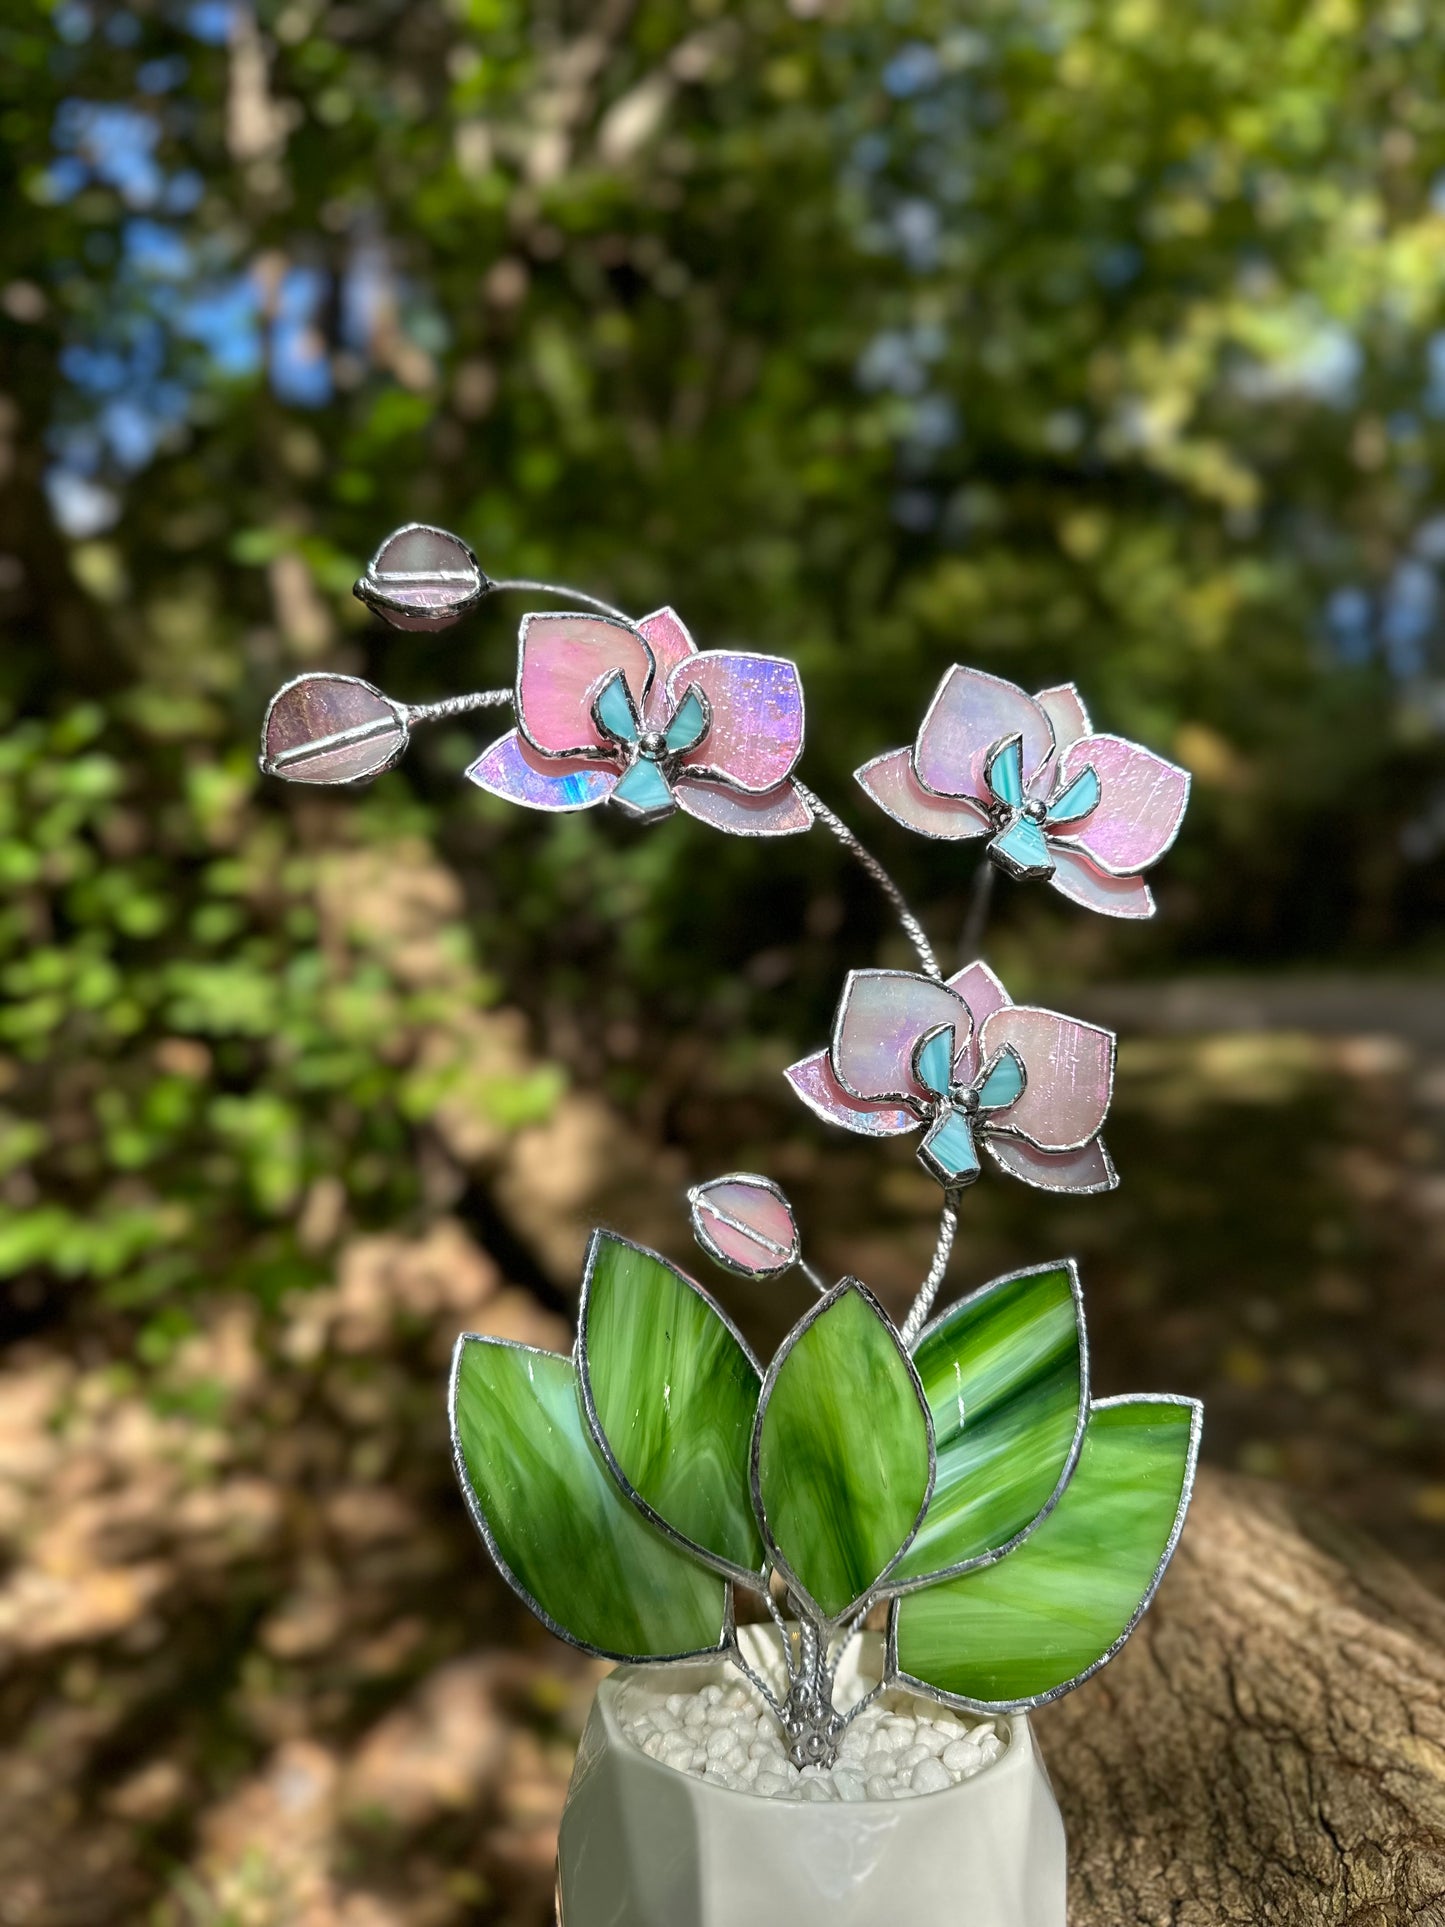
x=672, y=1393
x=842, y=1459
x=1005, y=1376
x=579, y=1553
x=1045, y=1615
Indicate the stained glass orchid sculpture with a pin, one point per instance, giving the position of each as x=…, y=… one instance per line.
x=1055, y=799
x=963, y=1060
x=956, y=1475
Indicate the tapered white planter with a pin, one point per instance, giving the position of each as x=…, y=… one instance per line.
x=644, y=1845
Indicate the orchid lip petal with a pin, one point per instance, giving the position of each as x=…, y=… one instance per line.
x=933, y=1057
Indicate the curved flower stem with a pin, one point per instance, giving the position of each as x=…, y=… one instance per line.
x=456, y=705
x=928, y=1290
x=979, y=901
x=912, y=928
x=560, y=589
x=812, y=1277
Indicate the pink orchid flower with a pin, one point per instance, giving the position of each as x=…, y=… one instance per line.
x=966, y=1062
x=1089, y=812
x=635, y=712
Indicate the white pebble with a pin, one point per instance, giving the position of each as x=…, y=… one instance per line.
x=931, y=1776
x=899, y=1748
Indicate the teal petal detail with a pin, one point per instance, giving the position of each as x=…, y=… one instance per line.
x=564, y=1536
x=673, y=1395
x=1005, y=1376
x=1046, y=1615
x=1022, y=850
x=1003, y=1082
x=643, y=790
x=1006, y=771
x=689, y=724
x=842, y=1454
x=948, y=1153
x=613, y=708
x=1078, y=799
x=933, y=1060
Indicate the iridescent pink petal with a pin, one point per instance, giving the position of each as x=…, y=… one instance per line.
x=513, y=769
x=670, y=643
x=970, y=712
x=1064, y=707
x=881, y=1016
x=1070, y=1072
x=561, y=661
x=890, y=781
x=1076, y=878
x=980, y=989
x=756, y=727
x=1140, y=808
x=813, y=1080
x=781, y=812
x=746, y=1223
x=1081, y=1171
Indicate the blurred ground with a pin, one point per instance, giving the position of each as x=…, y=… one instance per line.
x=255, y=1667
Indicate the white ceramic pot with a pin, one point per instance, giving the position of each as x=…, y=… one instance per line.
x=644, y=1845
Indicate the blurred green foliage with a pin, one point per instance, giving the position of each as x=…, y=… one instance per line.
x=1098, y=338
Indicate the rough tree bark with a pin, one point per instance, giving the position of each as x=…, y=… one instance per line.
x=1270, y=1747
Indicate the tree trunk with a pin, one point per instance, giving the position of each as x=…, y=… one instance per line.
x=1270, y=1747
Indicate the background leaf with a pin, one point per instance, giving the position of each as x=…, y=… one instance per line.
x=564, y=1532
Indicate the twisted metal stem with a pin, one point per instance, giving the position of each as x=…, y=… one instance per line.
x=456, y=705
x=756, y=1681
x=912, y=928
x=928, y=1290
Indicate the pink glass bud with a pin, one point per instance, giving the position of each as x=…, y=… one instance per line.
x=745, y=1223
x=422, y=578
x=331, y=729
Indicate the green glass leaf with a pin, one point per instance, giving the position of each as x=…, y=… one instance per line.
x=1005, y=1376
x=579, y=1553
x=672, y=1394
x=1046, y=1615
x=842, y=1456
